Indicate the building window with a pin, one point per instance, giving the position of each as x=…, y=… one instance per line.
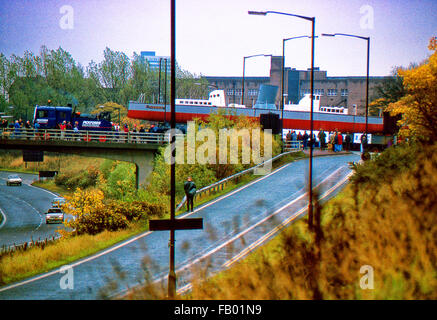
x=344, y=92
x=238, y=92
x=252, y=92
x=332, y=92
x=319, y=92
x=230, y=92
x=305, y=91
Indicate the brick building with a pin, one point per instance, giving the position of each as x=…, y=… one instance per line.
x=233, y=88
x=346, y=91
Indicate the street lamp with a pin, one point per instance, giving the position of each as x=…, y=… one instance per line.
x=310, y=171
x=282, y=79
x=244, y=68
x=367, y=76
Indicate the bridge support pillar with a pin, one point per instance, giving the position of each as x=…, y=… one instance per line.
x=143, y=160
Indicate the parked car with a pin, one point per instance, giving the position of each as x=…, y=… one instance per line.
x=14, y=179
x=54, y=214
x=58, y=202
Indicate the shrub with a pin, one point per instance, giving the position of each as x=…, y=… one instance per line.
x=91, y=214
x=388, y=164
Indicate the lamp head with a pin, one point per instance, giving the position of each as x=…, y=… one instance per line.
x=257, y=13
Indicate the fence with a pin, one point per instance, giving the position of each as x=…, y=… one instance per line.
x=293, y=145
x=83, y=135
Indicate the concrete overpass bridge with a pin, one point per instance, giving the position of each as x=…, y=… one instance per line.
x=138, y=148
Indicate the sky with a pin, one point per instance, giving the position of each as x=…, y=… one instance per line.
x=212, y=37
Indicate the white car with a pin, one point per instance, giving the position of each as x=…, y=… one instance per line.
x=54, y=214
x=14, y=179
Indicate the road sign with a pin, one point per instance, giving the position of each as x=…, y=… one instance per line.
x=47, y=174
x=33, y=156
x=176, y=224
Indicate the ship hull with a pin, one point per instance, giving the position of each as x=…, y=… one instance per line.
x=292, y=119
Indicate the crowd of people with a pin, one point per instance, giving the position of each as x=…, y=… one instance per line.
x=334, y=141
x=67, y=131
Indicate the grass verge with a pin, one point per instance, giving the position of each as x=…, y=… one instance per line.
x=20, y=265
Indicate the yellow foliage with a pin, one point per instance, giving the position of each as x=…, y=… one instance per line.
x=90, y=214
x=419, y=106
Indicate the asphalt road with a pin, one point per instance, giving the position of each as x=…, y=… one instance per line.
x=234, y=224
x=23, y=210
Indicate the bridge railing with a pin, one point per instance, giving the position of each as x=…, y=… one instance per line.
x=83, y=135
x=293, y=145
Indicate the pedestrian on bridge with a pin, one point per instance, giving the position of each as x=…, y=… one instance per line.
x=17, y=129
x=190, y=192
x=76, y=130
x=37, y=134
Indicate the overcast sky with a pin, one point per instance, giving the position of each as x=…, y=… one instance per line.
x=212, y=37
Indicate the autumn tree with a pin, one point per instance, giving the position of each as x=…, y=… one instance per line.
x=390, y=90
x=419, y=106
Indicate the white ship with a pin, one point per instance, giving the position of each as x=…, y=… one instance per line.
x=305, y=105
x=217, y=99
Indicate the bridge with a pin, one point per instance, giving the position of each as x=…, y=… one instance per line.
x=138, y=148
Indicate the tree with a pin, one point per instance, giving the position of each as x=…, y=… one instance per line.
x=114, y=73
x=419, y=106
x=190, y=85
x=390, y=90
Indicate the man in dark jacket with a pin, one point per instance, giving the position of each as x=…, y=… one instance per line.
x=190, y=191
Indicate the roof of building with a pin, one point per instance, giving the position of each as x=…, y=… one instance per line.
x=221, y=78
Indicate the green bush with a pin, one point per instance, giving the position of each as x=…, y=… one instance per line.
x=73, y=179
x=388, y=164
x=136, y=210
x=120, y=181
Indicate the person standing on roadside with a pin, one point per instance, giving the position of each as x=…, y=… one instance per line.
x=322, y=139
x=347, y=141
x=339, y=142
x=190, y=192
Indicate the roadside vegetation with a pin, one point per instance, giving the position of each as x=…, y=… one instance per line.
x=101, y=195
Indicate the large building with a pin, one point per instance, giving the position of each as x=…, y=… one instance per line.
x=345, y=91
x=233, y=88
x=153, y=60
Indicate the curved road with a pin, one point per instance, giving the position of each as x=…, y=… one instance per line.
x=23, y=210
x=234, y=224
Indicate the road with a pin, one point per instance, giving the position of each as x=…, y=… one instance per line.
x=234, y=224
x=23, y=210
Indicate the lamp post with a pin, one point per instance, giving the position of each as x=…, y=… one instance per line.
x=367, y=75
x=282, y=82
x=172, y=274
x=244, y=68
x=165, y=93
x=310, y=171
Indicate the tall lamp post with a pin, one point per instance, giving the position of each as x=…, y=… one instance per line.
x=367, y=75
x=282, y=79
x=244, y=69
x=310, y=171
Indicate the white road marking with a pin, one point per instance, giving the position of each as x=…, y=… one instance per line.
x=4, y=218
